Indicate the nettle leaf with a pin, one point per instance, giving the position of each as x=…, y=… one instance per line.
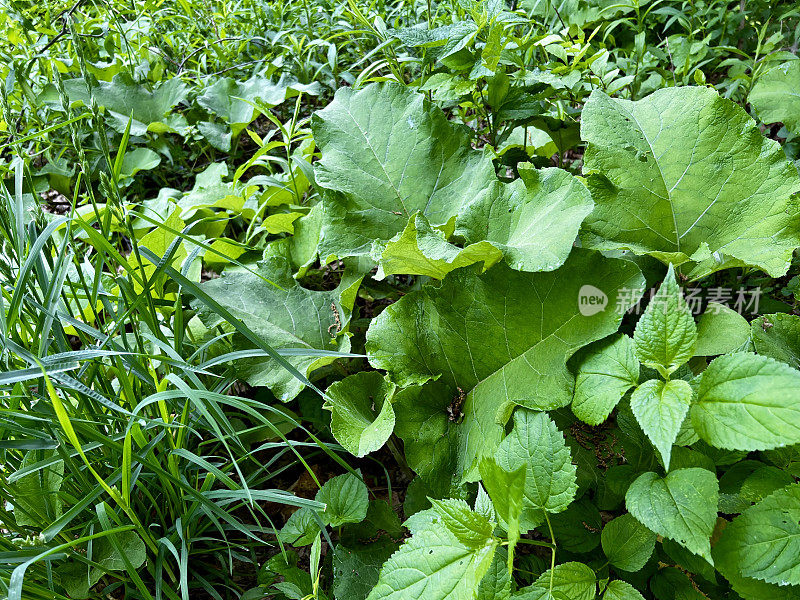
x=681, y=506
x=764, y=541
x=605, y=372
x=533, y=220
x=621, y=590
x=496, y=584
x=434, y=564
x=346, y=499
x=660, y=409
x=507, y=492
x=686, y=176
x=291, y=317
x=387, y=153
x=490, y=341
x=567, y=581
x=777, y=336
x=362, y=417
x=627, y=543
x=666, y=334
x=536, y=444
x=721, y=330
x=774, y=95
x=356, y=569
x=470, y=528
x=748, y=402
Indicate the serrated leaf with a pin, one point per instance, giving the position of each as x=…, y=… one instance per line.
x=569, y=581
x=764, y=541
x=621, y=590
x=507, y=491
x=300, y=529
x=496, y=584
x=686, y=176
x=533, y=220
x=356, y=569
x=469, y=527
x=362, y=417
x=346, y=499
x=738, y=406
x=666, y=334
x=292, y=317
x=627, y=543
x=774, y=96
x=606, y=371
x=387, y=153
x=492, y=340
x=660, y=409
x=777, y=336
x=433, y=564
x=720, y=330
x=536, y=444
x=681, y=506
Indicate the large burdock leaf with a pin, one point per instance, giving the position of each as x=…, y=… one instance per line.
x=748, y=402
x=686, y=176
x=285, y=315
x=533, y=220
x=764, y=541
x=480, y=343
x=681, y=506
x=433, y=564
x=387, y=153
x=125, y=98
x=774, y=97
x=362, y=417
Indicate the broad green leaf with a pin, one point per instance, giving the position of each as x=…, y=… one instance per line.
x=621, y=590
x=140, y=159
x=605, y=372
x=433, y=564
x=627, y=543
x=123, y=97
x=660, y=409
x=356, y=569
x=536, y=444
x=748, y=402
x=469, y=527
x=507, y=491
x=78, y=578
x=666, y=334
x=300, y=529
x=778, y=336
x=720, y=330
x=422, y=250
x=496, y=584
x=764, y=541
x=227, y=97
x=774, y=96
x=387, y=153
x=686, y=176
x=490, y=341
x=35, y=496
x=210, y=191
x=681, y=506
x=533, y=220
x=346, y=499
x=362, y=417
x=568, y=581
x=291, y=317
